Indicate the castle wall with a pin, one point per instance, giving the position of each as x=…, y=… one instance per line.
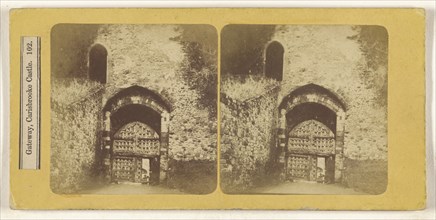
x=334, y=58
x=248, y=140
x=74, y=137
x=328, y=56
x=149, y=56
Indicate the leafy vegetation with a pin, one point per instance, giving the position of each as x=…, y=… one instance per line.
x=373, y=42
x=242, y=87
x=199, y=68
x=66, y=91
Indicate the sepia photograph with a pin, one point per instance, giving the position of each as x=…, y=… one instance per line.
x=249, y=109
x=133, y=109
x=303, y=109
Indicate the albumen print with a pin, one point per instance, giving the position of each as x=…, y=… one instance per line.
x=304, y=109
x=133, y=109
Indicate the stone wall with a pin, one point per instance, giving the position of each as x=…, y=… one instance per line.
x=329, y=56
x=75, y=142
x=339, y=59
x=248, y=140
x=149, y=56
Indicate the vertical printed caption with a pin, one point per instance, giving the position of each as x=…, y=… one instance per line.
x=30, y=97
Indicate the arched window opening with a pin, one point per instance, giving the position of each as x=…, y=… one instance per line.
x=98, y=63
x=274, y=61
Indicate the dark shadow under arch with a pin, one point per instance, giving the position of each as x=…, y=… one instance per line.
x=320, y=110
x=308, y=111
x=134, y=112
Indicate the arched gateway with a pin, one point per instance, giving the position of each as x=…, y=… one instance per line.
x=311, y=135
x=135, y=136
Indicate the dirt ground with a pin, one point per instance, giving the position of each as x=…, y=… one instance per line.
x=306, y=188
x=130, y=189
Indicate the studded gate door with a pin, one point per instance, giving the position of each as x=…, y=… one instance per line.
x=309, y=143
x=135, y=154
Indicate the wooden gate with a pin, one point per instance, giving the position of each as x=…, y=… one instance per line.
x=309, y=143
x=135, y=154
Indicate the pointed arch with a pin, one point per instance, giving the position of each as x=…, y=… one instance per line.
x=324, y=111
x=137, y=95
x=130, y=116
x=312, y=93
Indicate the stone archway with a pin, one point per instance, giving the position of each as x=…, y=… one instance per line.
x=311, y=135
x=136, y=136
